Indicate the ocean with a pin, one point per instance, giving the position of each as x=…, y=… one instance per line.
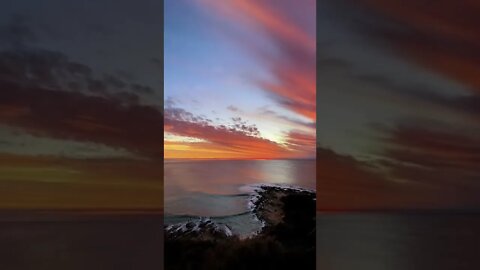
x=73, y=240
x=398, y=241
x=222, y=189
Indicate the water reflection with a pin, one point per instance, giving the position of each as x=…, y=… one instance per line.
x=213, y=187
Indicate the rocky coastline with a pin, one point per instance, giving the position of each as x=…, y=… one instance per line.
x=287, y=239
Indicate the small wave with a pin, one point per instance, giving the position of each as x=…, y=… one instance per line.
x=244, y=224
x=200, y=228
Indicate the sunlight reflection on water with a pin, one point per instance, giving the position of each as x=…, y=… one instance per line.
x=207, y=184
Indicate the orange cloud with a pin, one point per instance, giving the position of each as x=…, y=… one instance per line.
x=302, y=143
x=189, y=150
x=237, y=141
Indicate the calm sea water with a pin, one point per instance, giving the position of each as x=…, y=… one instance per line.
x=219, y=189
x=398, y=241
x=80, y=241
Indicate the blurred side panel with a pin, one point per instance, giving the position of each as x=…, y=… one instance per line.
x=398, y=149
x=81, y=122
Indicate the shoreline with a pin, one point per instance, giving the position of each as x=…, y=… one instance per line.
x=287, y=238
x=268, y=204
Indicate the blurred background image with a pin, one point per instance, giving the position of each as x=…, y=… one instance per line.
x=398, y=175
x=81, y=127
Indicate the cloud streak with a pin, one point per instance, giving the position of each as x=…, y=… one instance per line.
x=46, y=94
x=443, y=37
x=76, y=116
x=290, y=58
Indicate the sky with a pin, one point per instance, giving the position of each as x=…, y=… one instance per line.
x=240, y=79
x=398, y=105
x=81, y=100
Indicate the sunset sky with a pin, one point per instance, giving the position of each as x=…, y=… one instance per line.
x=398, y=104
x=81, y=122
x=240, y=79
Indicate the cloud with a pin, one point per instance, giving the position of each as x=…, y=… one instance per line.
x=344, y=183
x=44, y=93
x=301, y=142
x=433, y=36
x=435, y=150
x=237, y=140
x=53, y=70
x=80, y=117
x=292, y=59
x=233, y=108
x=407, y=67
x=466, y=105
x=442, y=162
x=77, y=135
x=427, y=36
x=264, y=111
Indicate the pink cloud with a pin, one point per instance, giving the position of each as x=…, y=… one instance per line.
x=290, y=27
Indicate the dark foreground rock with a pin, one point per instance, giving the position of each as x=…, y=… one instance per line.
x=286, y=242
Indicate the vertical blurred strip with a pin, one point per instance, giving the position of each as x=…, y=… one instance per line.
x=81, y=127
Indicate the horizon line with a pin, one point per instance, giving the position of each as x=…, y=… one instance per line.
x=199, y=159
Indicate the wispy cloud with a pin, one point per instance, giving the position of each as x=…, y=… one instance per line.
x=443, y=37
x=290, y=57
x=434, y=150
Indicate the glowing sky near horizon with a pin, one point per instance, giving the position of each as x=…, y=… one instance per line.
x=239, y=79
